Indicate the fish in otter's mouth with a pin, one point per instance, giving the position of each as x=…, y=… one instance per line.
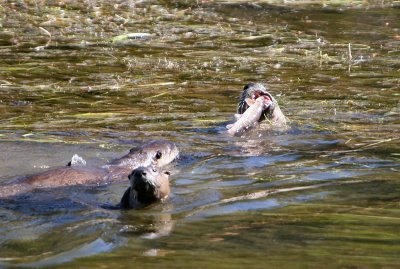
x=253, y=91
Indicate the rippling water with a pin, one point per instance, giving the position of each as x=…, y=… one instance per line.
x=322, y=194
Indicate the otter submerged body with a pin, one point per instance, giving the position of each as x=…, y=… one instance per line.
x=67, y=176
x=157, y=153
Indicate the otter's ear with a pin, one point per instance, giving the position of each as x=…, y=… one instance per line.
x=248, y=85
x=168, y=173
x=125, y=199
x=131, y=177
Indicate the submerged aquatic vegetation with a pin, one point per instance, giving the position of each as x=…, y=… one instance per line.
x=96, y=78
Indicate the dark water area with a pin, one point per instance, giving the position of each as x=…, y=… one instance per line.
x=325, y=193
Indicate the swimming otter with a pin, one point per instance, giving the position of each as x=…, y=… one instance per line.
x=155, y=153
x=271, y=113
x=148, y=185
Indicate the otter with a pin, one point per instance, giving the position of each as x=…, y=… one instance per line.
x=147, y=186
x=155, y=153
x=272, y=112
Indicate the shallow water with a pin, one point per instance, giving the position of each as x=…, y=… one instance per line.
x=324, y=193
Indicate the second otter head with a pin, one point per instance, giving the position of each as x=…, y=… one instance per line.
x=253, y=91
x=272, y=112
x=156, y=152
x=149, y=184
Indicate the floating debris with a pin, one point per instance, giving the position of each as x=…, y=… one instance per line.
x=134, y=36
x=77, y=160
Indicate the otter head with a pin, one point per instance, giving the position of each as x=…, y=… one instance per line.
x=149, y=185
x=253, y=91
x=157, y=152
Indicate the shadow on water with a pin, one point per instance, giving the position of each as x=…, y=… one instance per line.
x=98, y=79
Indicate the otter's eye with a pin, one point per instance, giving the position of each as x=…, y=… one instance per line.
x=143, y=173
x=154, y=170
x=158, y=155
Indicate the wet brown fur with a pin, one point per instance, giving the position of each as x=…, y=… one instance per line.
x=148, y=185
x=155, y=153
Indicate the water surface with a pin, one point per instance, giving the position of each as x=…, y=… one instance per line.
x=322, y=194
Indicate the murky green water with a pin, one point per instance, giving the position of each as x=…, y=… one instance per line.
x=323, y=194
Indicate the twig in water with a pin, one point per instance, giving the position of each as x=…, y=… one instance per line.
x=350, y=57
x=154, y=96
x=367, y=146
x=349, y=53
x=266, y=193
x=38, y=48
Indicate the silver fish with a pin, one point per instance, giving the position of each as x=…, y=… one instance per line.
x=250, y=117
